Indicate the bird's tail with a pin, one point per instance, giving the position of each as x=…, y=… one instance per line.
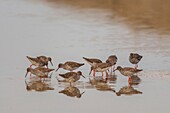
x=86, y=59
x=138, y=70
x=81, y=64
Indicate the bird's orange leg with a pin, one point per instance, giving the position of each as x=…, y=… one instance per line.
x=94, y=73
x=129, y=79
x=107, y=75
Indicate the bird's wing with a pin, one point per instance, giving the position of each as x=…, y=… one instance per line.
x=103, y=65
x=74, y=64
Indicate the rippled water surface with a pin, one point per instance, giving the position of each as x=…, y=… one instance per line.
x=71, y=29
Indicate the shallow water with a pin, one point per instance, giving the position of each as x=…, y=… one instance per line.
x=71, y=29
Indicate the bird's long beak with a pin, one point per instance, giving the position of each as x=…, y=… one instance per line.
x=51, y=63
x=83, y=76
x=51, y=75
x=26, y=74
x=56, y=69
x=114, y=70
x=90, y=70
x=83, y=93
x=26, y=83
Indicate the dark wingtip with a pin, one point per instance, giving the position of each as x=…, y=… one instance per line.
x=62, y=91
x=60, y=74
x=140, y=92
x=83, y=57
x=140, y=69
x=82, y=64
x=113, y=90
x=118, y=94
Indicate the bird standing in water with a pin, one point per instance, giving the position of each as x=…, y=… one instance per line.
x=41, y=72
x=134, y=58
x=70, y=65
x=101, y=67
x=71, y=76
x=92, y=62
x=128, y=71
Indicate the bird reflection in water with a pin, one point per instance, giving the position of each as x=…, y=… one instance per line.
x=100, y=84
x=94, y=80
x=104, y=87
x=135, y=80
x=37, y=86
x=111, y=78
x=72, y=92
x=128, y=90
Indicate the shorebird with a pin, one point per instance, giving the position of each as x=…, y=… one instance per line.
x=45, y=60
x=41, y=72
x=101, y=67
x=71, y=76
x=69, y=65
x=128, y=90
x=113, y=60
x=134, y=58
x=92, y=62
x=72, y=92
x=36, y=62
x=128, y=71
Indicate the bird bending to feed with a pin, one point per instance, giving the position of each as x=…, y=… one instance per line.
x=128, y=71
x=69, y=65
x=36, y=62
x=92, y=62
x=72, y=92
x=113, y=60
x=71, y=76
x=41, y=72
x=101, y=67
x=134, y=58
x=45, y=60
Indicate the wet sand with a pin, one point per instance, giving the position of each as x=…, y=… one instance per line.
x=69, y=30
